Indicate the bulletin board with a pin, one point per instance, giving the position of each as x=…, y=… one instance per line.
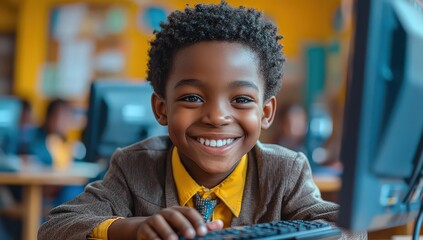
x=86, y=41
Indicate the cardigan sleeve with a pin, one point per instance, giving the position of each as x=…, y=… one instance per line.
x=303, y=199
x=100, y=200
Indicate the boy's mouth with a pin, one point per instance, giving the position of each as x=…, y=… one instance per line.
x=215, y=142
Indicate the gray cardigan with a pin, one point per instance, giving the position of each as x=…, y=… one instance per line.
x=140, y=182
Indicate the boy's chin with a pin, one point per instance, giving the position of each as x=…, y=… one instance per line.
x=217, y=169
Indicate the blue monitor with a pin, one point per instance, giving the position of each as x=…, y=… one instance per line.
x=119, y=114
x=10, y=112
x=383, y=119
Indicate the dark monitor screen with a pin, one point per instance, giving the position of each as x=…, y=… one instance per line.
x=383, y=120
x=119, y=114
x=10, y=111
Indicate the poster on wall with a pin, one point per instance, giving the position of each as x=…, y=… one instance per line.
x=74, y=68
x=86, y=42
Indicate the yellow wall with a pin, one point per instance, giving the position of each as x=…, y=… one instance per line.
x=297, y=21
x=30, y=48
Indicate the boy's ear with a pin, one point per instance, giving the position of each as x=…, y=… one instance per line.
x=159, y=108
x=269, y=111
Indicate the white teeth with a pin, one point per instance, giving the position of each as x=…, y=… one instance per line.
x=215, y=143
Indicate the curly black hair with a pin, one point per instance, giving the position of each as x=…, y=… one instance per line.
x=217, y=22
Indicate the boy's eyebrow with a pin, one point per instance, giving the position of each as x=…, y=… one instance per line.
x=191, y=82
x=243, y=83
x=234, y=84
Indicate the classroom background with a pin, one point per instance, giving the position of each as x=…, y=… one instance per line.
x=52, y=50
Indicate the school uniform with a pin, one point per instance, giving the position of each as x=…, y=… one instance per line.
x=140, y=182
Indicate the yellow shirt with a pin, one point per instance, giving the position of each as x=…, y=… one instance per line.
x=229, y=191
x=100, y=232
x=60, y=150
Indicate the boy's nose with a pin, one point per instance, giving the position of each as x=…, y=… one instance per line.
x=218, y=114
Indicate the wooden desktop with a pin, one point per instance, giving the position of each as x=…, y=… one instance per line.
x=33, y=177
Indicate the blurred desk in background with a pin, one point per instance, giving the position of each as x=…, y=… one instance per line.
x=329, y=186
x=33, y=177
x=327, y=183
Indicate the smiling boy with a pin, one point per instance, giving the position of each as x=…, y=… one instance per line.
x=215, y=71
x=214, y=108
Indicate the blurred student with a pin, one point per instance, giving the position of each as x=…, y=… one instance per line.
x=51, y=148
x=291, y=125
x=50, y=143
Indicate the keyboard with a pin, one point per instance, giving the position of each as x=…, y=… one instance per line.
x=293, y=229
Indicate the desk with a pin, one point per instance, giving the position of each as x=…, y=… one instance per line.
x=33, y=178
x=327, y=183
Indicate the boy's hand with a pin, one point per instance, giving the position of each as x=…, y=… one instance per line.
x=167, y=224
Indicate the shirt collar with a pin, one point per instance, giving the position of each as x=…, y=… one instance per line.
x=229, y=191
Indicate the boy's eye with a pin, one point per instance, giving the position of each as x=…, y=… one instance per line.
x=242, y=100
x=191, y=98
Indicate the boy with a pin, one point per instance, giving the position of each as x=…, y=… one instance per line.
x=215, y=71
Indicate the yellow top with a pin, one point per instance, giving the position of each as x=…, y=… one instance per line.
x=229, y=191
x=60, y=150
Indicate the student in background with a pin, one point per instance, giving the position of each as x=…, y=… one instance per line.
x=291, y=127
x=46, y=144
x=215, y=71
x=50, y=144
x=50, y=147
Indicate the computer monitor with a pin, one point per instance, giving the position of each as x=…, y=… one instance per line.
x=383, y=120
x=119, y=114
x=10, y=112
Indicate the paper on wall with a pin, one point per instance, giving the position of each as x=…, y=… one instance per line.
x=74, y=67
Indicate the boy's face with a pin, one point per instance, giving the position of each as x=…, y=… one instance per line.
x=214, y=105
